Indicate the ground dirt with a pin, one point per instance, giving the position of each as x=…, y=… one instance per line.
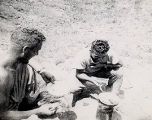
x=71, y=25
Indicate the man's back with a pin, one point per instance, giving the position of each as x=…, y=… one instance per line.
x=14, y=85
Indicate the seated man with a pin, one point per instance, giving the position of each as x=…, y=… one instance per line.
x=97, y=69
x=18, y=79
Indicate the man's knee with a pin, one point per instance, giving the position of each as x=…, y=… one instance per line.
x=114, y=78
x=117, y=76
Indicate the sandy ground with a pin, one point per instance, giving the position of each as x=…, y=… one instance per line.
x=71, y=25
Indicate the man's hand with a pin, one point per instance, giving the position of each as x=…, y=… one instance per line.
x=47, y=109
x=48, y=77
x=117, y=66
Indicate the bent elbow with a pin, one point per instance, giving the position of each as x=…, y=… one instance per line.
x=79, y=76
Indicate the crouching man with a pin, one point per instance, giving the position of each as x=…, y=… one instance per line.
x=97, y=69
x=17, y=78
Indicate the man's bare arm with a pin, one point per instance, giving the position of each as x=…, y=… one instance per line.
x=16, y=115
x=46, y=109
x=43, y=71
x=84, y=77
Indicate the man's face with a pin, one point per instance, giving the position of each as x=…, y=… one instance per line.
x=96, y=55
x=97, y=52
x=33, y=51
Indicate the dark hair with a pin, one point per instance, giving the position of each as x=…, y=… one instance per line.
x=27, y=37
x=96, y=45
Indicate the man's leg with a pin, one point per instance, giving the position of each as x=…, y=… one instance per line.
x=85, y=92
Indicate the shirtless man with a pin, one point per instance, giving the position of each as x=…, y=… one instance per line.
x=17, y=77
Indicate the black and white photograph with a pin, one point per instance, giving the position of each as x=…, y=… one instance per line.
x=75, y=59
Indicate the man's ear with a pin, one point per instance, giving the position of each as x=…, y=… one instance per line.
x=25, y=50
